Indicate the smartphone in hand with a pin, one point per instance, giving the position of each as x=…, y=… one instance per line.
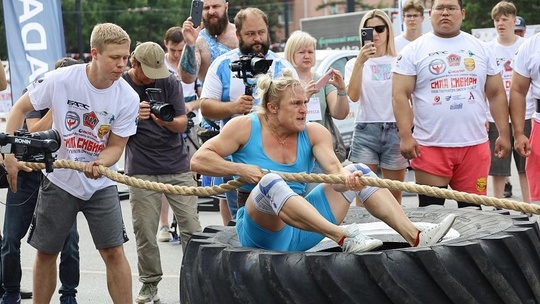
x=367, y=35
x=323, y=80
x=196, y=12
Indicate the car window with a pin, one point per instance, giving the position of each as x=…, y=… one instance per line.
x=340, y=64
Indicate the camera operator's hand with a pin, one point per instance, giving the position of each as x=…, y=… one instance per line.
x=13, y=166
x=144, y=110
x=243, y=105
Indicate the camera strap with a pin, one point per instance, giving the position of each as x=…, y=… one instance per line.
x=213, y=124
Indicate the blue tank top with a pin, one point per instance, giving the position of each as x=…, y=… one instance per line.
x=216, y=48
x=253, y=153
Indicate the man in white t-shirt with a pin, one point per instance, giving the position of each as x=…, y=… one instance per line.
x=94, y=113
x=526, y=74
x=505, y=46
x=413, y=17
x=448, y=73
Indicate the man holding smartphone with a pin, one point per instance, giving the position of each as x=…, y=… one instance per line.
x=204, y=45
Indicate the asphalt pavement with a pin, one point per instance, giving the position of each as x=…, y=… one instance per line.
x=93, y=287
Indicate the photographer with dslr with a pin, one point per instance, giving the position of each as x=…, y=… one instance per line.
x=225, y=92
x=157, y=153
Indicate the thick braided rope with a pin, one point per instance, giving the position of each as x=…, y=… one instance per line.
x=305, y=178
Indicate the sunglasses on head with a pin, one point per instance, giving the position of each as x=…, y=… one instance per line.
x=378, y=28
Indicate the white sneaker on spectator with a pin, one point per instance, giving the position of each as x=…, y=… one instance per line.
x=356, y=241
x=163, y=234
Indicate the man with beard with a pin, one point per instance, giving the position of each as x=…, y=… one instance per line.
x=203, y=46
x=223, y=95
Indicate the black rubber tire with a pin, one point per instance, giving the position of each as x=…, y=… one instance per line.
x=494, y=260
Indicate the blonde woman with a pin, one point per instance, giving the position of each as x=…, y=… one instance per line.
x=369, y=77
x=300, y=52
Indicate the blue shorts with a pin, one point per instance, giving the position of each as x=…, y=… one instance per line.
x=289, y=238
x=377, y=143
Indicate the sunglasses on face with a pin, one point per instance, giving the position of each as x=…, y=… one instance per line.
x=378, y=28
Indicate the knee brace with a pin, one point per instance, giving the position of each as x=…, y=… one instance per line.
x=367, y=191
x=271, y=193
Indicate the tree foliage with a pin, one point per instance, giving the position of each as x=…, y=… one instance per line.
x=144, y=20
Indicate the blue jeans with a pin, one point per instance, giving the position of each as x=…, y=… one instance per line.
x=17, y=218
x=232, y=198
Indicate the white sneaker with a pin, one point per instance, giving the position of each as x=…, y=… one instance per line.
x=356, y=241
x=433, y=235
x=148, y=293
x=163, y=234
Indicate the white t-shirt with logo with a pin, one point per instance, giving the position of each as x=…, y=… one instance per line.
x=375, y=104
x=504, y=55
x=400, y=42
x=84, y=117
x=449, y=106
x=527, y=64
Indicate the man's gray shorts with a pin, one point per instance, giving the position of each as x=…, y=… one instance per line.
x=57, y=210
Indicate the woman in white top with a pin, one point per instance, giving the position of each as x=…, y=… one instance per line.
x=369, y=77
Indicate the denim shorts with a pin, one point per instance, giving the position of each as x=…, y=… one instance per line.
x=377, y=143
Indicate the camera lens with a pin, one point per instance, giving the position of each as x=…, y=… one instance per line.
x=260, y=65
x=164, y=111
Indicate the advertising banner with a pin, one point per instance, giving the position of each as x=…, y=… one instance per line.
x=35, y=35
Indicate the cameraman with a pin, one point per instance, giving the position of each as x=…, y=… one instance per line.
x=157, y=153
x=223, y=95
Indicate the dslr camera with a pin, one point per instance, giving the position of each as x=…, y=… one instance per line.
x=248, y=66
x=32, y=147
x=162, y=110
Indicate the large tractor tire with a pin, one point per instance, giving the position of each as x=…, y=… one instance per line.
x=491, y=257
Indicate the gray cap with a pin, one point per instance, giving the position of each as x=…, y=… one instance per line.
x=520, y=23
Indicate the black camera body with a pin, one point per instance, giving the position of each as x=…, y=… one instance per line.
x=248, y=66
x=32, y=147
x=162, y=110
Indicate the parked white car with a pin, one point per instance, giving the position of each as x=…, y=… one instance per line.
x=326, y=59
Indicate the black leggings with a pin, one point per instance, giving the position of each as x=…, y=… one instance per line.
x=424, y=200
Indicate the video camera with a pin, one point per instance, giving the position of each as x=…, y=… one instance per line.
x=162, y=110
x=32, y=147
x=249, y=66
